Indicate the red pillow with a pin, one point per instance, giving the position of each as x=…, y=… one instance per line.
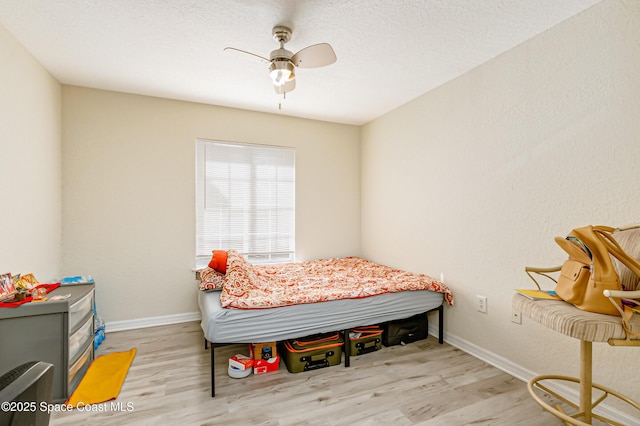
x=219, y=261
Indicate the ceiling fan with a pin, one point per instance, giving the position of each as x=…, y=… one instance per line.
x=283, y=63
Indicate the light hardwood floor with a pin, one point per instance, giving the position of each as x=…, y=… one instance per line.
x=423, y=383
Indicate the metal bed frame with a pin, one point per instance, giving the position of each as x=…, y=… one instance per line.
x=347, y=346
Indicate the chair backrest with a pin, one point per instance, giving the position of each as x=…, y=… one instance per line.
x=30, y=383
x=629, y=239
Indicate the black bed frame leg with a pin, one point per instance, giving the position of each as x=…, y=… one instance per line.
x=347, y=349
x=441, y=324
x=213, y=376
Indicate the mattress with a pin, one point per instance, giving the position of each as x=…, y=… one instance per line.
x=221, y=325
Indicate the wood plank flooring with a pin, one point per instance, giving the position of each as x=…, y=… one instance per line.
x=423, y=383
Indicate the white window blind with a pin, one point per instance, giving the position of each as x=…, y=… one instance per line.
x=245, y=200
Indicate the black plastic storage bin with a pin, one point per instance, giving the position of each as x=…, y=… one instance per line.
x=405, y=330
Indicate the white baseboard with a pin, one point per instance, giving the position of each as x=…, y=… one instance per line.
x=525, y=375
x=489, y=357
x=151, y=322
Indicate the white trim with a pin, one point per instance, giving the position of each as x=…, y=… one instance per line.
x=525, y=375
x=151, y=322
x=491, y=358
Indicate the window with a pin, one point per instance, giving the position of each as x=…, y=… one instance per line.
x=245, y=200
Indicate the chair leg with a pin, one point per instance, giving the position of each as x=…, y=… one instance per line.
x=586, y=379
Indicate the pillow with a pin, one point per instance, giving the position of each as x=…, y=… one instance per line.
x=211, y=280
x=219, y=261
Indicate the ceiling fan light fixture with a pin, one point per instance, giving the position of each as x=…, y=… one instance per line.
x=283, y=63
x=281, y=72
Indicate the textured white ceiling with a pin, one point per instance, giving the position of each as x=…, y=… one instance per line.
x=389, y=51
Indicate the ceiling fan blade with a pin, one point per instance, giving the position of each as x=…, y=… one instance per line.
x=234, y=50
x=286, y=88
x=315, y=56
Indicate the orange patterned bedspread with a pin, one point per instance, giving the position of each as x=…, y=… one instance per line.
x=250, y=286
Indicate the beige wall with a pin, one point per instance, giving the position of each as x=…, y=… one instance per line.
x=30, y=169
x=476, y=178
x=129, y=188
x=473, y=179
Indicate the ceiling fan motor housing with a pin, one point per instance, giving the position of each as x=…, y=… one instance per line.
x=280, y=54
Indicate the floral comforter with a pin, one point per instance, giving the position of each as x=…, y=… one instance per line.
x=250, y=286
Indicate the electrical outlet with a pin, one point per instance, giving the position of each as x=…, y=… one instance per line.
x=482, y=304
x=516, y=317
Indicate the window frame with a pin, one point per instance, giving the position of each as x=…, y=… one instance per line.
x=246, y=197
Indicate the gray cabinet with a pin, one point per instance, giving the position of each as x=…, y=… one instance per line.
x=58, y=332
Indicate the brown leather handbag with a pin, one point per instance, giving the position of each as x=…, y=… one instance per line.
x=590, y=268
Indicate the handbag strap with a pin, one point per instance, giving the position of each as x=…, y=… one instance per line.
x=626, y=319
x=628, y=227
x=614, y=248
x=543, y=272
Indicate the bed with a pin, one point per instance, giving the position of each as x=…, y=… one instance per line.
x=265, y=303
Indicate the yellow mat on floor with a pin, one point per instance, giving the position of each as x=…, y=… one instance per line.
x=103, y=379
